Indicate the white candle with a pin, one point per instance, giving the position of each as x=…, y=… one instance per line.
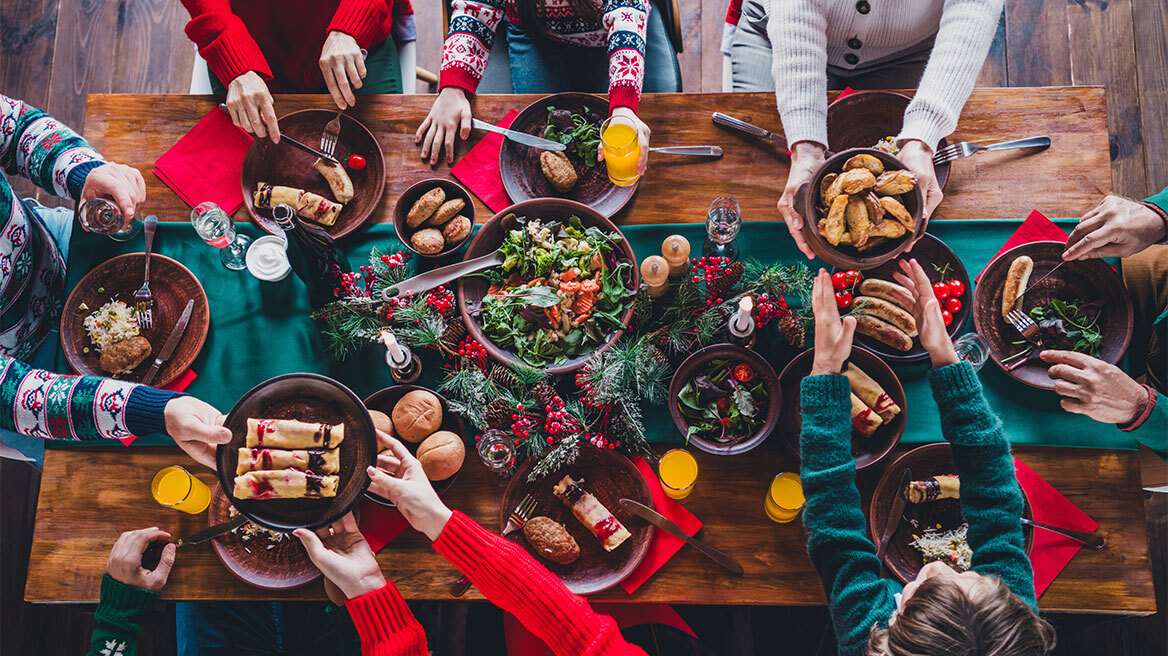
x=741, y=323
x=395, y=355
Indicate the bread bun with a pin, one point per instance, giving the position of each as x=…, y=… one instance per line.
x=441, y=455
x=416, y=415
x=382, y=422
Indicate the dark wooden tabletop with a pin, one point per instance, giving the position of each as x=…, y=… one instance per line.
x=1065, y=180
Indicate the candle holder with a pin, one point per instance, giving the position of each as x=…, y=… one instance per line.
x=723, y=222
x=404, y=366
x=410, y=373
x=741, y=324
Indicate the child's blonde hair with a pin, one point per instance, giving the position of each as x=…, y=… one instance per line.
x=940, y=618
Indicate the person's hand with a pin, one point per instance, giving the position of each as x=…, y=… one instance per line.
x=125, y=559
x=643, y=134
x=449, y=115
x=926, y=310
x=343, y=66
x=399, y=477
x=344, y=557
x=806, y=158
x=1090, y=386
x=123, y=184
x=250, y=105
x=1117, y=227
x=833, y=337
x=196, y=427
x=917, y=157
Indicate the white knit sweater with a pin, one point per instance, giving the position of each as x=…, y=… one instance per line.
x=807, y=35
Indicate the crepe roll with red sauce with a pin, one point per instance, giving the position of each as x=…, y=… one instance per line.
x=284, y=484
x=871, y=393
x=292, y=434
x=591, y=513
x=311, y=206
x=865, y=421
x=945, y=486
x=317, y=461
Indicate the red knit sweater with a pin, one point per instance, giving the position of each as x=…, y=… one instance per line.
x=281, y=39
x=511, y=579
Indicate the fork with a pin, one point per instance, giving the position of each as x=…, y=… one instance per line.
x=515, y=521
x=328, y=138
x=143, y=299
x=965, y=149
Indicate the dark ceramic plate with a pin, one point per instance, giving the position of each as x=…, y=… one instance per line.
x=118, y=278
x=901, y=558
x=523, y=176
x=410, y=196
x=283, y=164
x=610, y=477
x=862, y=119
x=933, y=255
x=384, y=400
x=867, y=451
x=490, y=237
x=1087, y=280
x=698, y=361
x=285, y=565
x=306, y=397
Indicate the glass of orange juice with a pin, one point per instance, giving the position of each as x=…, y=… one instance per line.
x=784, y=498
x=618, y=137
x=678, y=472
x=175, y=487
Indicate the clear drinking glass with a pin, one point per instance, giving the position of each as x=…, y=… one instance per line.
x=974, y=348
x=622, y=150
x=175, y=487
x=497, y=452
x=216, y=228
x=723, y=222
x=104, y=217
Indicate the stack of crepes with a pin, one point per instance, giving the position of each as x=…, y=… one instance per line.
x=289, y=459
x=871, y=405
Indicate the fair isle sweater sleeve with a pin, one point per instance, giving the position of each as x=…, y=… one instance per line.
x=797, y=30
x=959, y=51
x=468, y=44
x=386, y=625
x=991, y=500
x=626, y=22
x=837, y=539
x=511, y=579
x=38, y=147
x=43, y=404
x=223, y=40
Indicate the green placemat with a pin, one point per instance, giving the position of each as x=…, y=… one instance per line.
x=260, y=330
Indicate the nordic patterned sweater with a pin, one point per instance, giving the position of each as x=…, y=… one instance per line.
x=621, y=30
x=837, y=541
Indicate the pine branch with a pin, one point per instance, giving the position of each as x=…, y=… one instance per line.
x=561, y=455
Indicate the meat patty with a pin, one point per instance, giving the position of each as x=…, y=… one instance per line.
x=121, y=357
x=551, y=540
x=558, y=169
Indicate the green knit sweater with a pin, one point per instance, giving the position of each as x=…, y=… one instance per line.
x=837, y=540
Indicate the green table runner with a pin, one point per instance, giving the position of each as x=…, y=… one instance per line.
x=259, y=330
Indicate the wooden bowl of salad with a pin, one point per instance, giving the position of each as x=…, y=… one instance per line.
x=725, y=399
x=564, y=292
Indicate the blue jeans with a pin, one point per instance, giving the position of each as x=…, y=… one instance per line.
x=253, y=628
x=539, y=65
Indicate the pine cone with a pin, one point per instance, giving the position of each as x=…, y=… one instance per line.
x=498, y=414
x=621, y=426
x=503, y=377
x=726, y=282
x=544, y=393
x=452, y=336
x=660, y=338
x=791, y=326
x=658, y=355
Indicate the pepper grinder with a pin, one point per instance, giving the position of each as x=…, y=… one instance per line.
x=655, y=275
x=404, y=366
x=741, y=325
x=675, y=249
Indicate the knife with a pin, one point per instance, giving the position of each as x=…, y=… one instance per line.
x=661, y=521
x=295, y=143
x=893, y=520
x=1033, y=284
x=753, y=130
x=519, y=137
x=171, y=344
x=153, y=552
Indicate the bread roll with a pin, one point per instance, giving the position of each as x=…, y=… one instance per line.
x=416, y=415
x=887, y=333
x=1017, y=278
x=382, y=422
x=441, y=455
x=889, y=312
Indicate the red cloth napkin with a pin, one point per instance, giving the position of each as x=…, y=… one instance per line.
x=379, y=524
x=521, y=642
x=664, y=545
x=1051, y=551
x=1036, y=227
x=181, y=383
x=207, y=162
x=479, y=168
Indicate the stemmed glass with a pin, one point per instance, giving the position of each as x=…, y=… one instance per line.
x=104, y=217
x=216, y=228
x=723, y=222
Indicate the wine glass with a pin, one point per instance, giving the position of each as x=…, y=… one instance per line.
x=103, y=216
x=217, y=229
x=723, y=222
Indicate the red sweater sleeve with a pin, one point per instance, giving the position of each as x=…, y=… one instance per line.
x=364, y=20
x=224, y=41
x=511, y=578
x=386, y=625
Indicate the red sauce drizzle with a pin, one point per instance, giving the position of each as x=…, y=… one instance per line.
x=262, y=427
x=861, y=422
x=883, y=401
x=266, y=457
x=606, y=528
x=262, y=488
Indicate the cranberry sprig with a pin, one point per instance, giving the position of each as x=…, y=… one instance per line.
x=521, y=425
x=771, y=309
x=441, y=299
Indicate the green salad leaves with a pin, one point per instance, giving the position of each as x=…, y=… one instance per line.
x=723, y=402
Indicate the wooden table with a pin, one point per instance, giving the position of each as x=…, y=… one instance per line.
x=1064, y=180
x=89, y=495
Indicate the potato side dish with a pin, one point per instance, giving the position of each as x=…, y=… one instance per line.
x=861, y=206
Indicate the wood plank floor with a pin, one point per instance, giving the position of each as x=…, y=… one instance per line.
x=54, y=52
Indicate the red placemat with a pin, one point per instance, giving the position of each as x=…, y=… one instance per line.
x=1051, y=551
x=379, y=524
x=206, y=164
x=1036, y=227
x=479, y=168
x=664, y=544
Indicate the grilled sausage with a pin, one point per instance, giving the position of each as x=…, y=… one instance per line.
x=1016, y=280
x=869, y=325
x=890, y=312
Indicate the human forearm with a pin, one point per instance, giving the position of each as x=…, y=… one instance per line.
x=798, y=34
x=468, y=43
x=386, y=625
x=361, y=19
x=1153, y=431
x=626, y=22
x=223, y=40
x=38, y=147
x=118, y=618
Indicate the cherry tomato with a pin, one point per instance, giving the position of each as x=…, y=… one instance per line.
x=947, y=317
x=853, y=277
x=723, y=405
x=843, y=298
x=941, y=290
x=839, y=280
x=953, y=305
x=356, y=162
x=956, y=288
x=743, y=373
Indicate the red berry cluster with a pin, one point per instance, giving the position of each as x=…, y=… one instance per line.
x=441, y=299
x=400, y=301
x=470, y=347
x=707, y=270
x=582, y=378
x=521, y=425
x=771, y=309
x=601, y=440
x=397, y=259
x=557, y=422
